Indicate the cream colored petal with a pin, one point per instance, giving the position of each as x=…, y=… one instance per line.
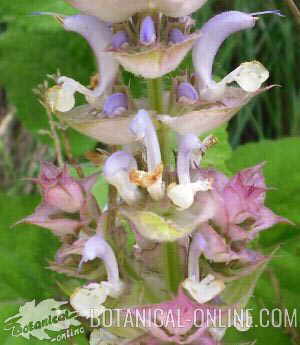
x=156, y=62
x=89, y=297
x=60, y=98
x=182, y=195
x=113, y=131
x=205, y=290
x=249, y=76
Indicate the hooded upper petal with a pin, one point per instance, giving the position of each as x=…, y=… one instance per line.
x=117, y=11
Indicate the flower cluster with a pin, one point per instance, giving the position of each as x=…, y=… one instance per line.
x=179, y=215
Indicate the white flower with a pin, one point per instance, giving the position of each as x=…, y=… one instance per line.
x=205, y=290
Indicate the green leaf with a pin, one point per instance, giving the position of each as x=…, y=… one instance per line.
x=217, y=155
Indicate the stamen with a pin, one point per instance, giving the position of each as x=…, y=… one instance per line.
x=276, y=12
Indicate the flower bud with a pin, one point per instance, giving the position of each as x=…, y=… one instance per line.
x=176, y=36
x=187, y=93
x=147, y=31
x=115, y=104
x=120, y=39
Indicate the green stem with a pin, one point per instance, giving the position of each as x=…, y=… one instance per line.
x=172, y=263
x=155, y=94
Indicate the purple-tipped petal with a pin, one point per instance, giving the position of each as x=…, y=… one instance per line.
x=176, y=36
x=214, y=33
x=115, y=104
x=99, y=35
x=186, y=92
x=147, y=31
x=97, y=247
x=119, y=39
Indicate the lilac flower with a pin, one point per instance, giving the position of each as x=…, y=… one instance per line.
x=218, y=102
x=99, y=35
x=93, y=295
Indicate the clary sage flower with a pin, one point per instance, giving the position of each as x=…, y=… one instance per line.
x=174, y=236
x=208, y=104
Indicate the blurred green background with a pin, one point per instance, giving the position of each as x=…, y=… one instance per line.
x=268, y=129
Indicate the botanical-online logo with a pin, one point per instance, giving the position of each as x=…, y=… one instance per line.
x=35, y=319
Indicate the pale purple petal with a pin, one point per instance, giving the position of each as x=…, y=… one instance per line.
x=97, y=247
x=99, y=35
x=214, y=33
